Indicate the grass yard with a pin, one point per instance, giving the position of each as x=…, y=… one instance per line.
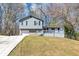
x=46, y=46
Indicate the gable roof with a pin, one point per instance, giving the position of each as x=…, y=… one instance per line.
x=25, y=18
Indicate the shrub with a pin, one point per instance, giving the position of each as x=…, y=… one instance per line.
x=69, y=31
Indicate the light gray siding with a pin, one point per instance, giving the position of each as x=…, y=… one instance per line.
x=55, y=33
x=30, y=24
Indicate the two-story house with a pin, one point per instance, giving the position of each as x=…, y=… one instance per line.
x=30, y=24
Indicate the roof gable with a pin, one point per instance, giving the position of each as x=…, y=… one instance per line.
x=25, y=18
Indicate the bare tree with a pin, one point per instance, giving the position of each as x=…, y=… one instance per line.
x=11, y=12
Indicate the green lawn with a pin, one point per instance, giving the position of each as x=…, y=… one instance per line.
x=46, y=46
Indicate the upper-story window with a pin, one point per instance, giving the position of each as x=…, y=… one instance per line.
x=21, y=23
x=39, y=22
x=34, y=22
x=26, y=22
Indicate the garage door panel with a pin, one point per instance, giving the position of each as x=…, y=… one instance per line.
x=24, y=31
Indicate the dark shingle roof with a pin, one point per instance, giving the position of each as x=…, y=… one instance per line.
x=27, y=17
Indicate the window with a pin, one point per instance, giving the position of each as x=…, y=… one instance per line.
x=77, y=28
x=34, y=22
x=58, y=29
x=26, y=22
x=21, y=23
x=39, y=22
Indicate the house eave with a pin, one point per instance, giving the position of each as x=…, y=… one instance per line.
x=27, y=17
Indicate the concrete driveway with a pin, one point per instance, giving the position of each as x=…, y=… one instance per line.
x=8, y=43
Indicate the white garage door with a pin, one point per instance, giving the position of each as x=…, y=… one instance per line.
x=24, y=32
